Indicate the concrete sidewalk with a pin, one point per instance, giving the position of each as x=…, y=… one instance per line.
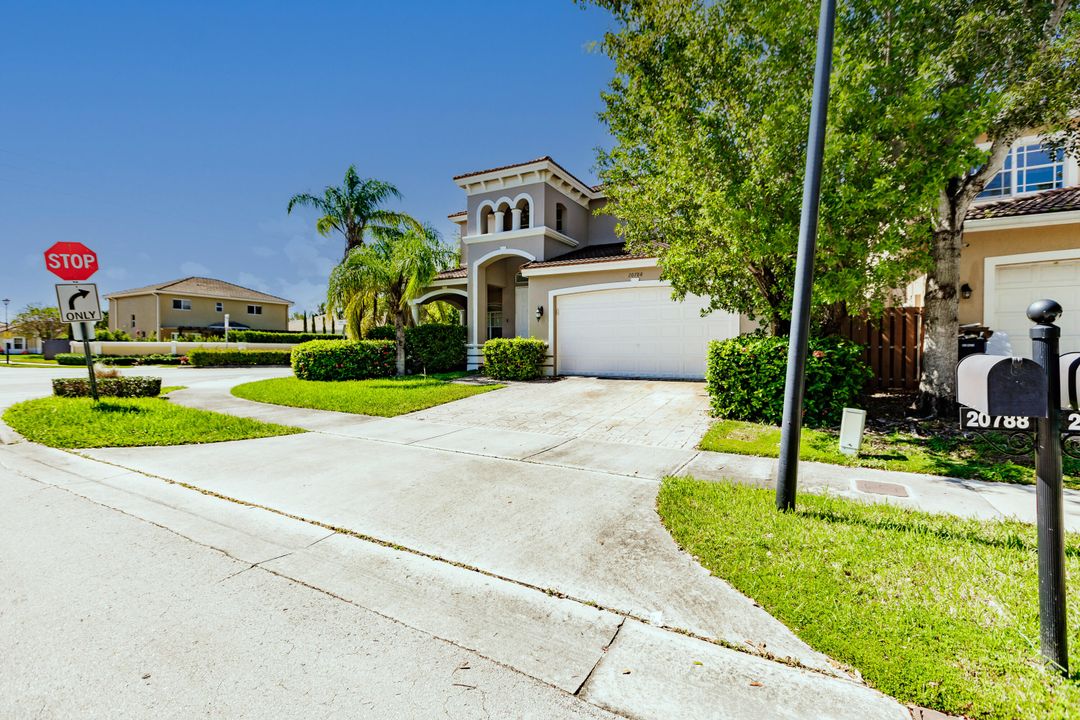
x=577, y=651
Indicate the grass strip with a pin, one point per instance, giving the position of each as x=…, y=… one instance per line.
x=383, y=397
x=951, y=456
x=934, y=610
x=129, y=422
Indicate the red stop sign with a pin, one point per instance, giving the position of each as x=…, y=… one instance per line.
x=71, y=261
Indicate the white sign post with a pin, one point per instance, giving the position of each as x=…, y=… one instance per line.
x=79, y=305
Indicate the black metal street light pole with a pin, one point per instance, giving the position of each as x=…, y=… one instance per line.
x=788, y=469
x=1049, y=503
x=7, y=331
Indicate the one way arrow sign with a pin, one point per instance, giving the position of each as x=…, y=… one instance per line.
x=78, y=302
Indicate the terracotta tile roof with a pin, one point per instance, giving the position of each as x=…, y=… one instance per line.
x=1047, y=201
x=204, y=286
x=608, y=252
x=453, y=274
x=459, y=213
x=547, y=158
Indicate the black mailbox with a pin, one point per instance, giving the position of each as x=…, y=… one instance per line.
x=997, y=385
x=1070, y=380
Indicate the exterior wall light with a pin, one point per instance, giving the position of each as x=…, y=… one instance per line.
x=539, y=311
x=965, y=291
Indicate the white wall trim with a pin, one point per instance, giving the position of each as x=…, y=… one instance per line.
x=552, y=294
x=445, y=291
x=474, y=279
x=448, y=282
x=991, y=264
x=1022, y=221
x=590, y=267
x=521, y=234
x=540, y=171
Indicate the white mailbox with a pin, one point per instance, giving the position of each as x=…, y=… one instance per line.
x=1070, y=380
x=996, y=385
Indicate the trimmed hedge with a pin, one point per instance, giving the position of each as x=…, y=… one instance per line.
x=270, y=336
x=108, y=387
x=120, y=360
x=435, y=348
x=514, y=358
x=205, y=357
x=430, y=348
x=381, y=332
x=745, y=378
x=344, y=359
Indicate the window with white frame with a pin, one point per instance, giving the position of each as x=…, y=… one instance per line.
x=181, y=304
x=18, y=344
x=254, y=309
x=1029, y=167
x=219, y=307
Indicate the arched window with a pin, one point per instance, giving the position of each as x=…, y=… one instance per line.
x=560, y=217
x=507, y=219
x=483, y=219
x=523, y=206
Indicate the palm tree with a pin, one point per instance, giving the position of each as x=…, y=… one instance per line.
x=396, y=266
x=354, y=209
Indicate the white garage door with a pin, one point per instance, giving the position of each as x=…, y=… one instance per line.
x=1017, y=286
x=636, y=332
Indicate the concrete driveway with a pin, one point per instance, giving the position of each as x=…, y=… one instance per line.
x=520, y=523
x=657, y=413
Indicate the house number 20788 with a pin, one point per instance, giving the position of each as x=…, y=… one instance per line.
x=976, y=419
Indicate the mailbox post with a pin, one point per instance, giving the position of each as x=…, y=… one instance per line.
x=1048, y=493
x=1015, y=395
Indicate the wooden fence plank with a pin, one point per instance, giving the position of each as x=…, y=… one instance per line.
x=892, y=346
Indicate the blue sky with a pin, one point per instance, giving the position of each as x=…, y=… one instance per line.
x=168, y=137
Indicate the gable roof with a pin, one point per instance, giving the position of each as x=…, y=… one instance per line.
x=1047, y=201
x=205, y=287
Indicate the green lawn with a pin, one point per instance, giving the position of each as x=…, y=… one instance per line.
x=25, y=359
x=126, y=422
x=932, y=609
x=385, y=397
x=952, y=456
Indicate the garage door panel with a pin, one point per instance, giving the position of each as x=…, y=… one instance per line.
x=636, y=331
x=1017, y=286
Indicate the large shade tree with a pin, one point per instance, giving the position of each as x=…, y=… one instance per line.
x=395, y=268
x=40, y=321
x=709, y=109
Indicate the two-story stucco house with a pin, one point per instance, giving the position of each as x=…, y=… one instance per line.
x=194, y=304
x=537, y=261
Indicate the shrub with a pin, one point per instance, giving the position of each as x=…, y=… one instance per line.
x=435, y=348
x=381, y=332
x=267, y=336
x=118, y=360
x=745, y=378
x=70, y=359
x=204, y=357
x=108, y=387
x=514, y=358
x=343, y=359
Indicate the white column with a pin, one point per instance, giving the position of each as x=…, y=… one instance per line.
x=415, y=312
x=515, y=219
x=498, y=220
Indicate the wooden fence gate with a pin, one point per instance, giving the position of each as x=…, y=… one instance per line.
x=893, y=345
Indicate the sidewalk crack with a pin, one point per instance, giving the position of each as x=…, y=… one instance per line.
x=600, y=659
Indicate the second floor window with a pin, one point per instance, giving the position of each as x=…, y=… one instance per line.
x=254, y=309
x=560, y=217
x=218, y=307
x=1028, y=168
x=181, y=304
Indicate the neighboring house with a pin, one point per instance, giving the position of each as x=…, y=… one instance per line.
x=537, y=261
x=194, y=304
x=1021, y=244
x=18, y=342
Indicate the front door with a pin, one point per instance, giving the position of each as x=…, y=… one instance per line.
x=521, y=311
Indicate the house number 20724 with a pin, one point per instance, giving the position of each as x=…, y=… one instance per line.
x=635, y=275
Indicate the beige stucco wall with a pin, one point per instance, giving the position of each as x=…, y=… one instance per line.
x=141, y=306
x=981, y=244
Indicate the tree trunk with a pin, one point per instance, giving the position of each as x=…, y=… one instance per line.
x=937, y=386
x=399, y=328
